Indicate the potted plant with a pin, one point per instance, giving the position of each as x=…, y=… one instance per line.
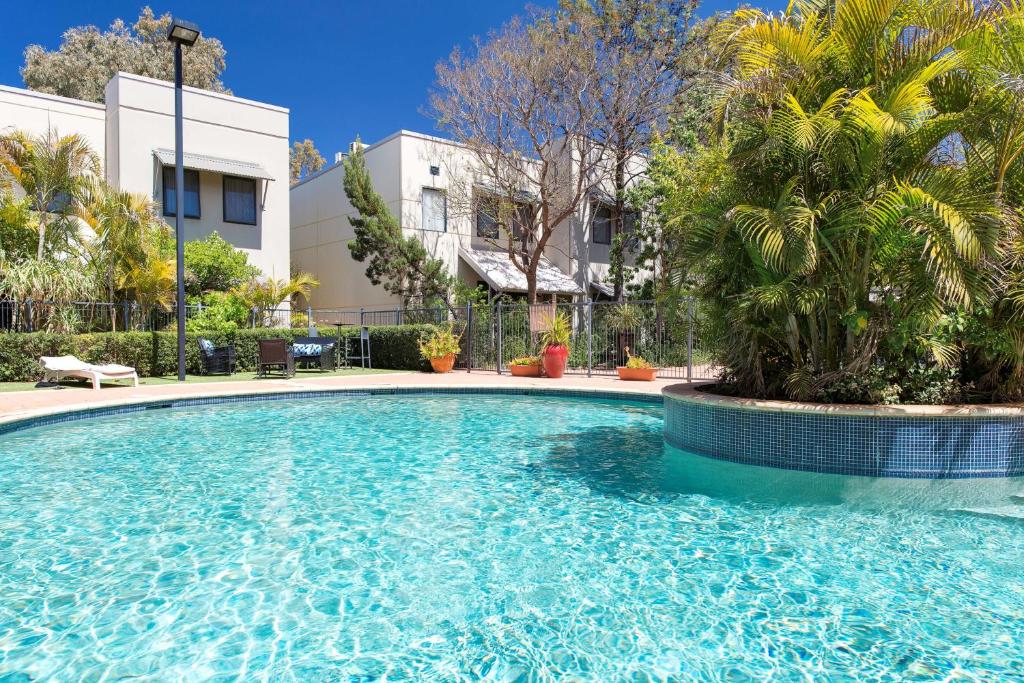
x=525, y=366
x=637, y=369
x=440, y=348
x=555, y=342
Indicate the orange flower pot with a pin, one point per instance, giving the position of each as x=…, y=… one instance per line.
x=443, y=364
x=554, y=359
x=524, y=370
x=638, y=374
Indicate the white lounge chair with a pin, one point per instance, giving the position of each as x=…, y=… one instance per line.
x=56, y=367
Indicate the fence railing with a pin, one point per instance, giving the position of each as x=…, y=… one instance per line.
x=667, y=336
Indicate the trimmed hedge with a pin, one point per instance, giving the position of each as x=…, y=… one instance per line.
x=155, y=353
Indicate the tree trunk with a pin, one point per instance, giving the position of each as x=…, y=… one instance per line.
x=618, y=221
x=42, y=234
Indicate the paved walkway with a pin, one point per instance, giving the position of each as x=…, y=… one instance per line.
x=20, y=404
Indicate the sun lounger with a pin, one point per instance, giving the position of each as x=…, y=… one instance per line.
x=57, y=367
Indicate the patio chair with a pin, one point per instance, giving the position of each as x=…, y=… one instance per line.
x=57, y=367
x=316, y=351
x=275, y=354
x=217, y=359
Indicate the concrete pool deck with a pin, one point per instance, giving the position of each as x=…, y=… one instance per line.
x=18, y=405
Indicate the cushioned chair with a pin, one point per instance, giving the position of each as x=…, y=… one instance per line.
x=275, y=354
x=320, y=352
x=217, y=360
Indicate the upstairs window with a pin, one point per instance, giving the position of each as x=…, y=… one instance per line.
x=191, y=193
x=601, y=224
x=435, y=210
x=487, y=219
x=239, y=200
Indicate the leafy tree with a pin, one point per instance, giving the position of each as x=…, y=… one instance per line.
x=398, y=262
x=304, y=158
x=56, y=173
x=125, y=230
x=212, y=264
x=864, y=205
x=152, y=283
x=264, y=295
x=88, y=58
x=18, y=232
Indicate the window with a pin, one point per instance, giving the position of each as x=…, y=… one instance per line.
x=435, y=210
x=522, y=222
x=239, y=200
x=601, y=225
x=191, y=193
x=487, y=219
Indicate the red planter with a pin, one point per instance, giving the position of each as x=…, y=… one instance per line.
x=555, y=358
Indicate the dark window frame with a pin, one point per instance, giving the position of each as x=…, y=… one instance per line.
x=482, y=206
x=177, y=195
x=224, y=200
x=598, y=206
x=444, y=196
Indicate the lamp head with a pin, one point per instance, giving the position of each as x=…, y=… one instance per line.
x=183, y=32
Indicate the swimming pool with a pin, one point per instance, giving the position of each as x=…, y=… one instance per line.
x=467, y=537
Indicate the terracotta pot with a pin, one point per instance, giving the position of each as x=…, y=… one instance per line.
x=524, y=370
x=638, y=374
x=444, y=363
x=554, y=358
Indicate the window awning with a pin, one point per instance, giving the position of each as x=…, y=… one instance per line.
x=603, y=288
x=203, y=162
x=501, y=274
x=523, y=196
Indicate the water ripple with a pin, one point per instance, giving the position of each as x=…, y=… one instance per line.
x=482, y=538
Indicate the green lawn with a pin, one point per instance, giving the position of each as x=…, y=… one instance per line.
x=195, y=379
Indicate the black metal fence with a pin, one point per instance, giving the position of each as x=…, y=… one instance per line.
x=601, y=332
x=667, y=336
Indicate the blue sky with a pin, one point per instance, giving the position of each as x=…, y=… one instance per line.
x=343, y=68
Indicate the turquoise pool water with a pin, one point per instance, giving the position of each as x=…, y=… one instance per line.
x=451, y=538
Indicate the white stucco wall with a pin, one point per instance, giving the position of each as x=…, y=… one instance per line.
x=400, y=168
x=140, y=119
x=320, y=230
x=36, y=113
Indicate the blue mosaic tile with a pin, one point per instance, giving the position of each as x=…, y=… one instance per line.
x=88, y=413
x=871, y=446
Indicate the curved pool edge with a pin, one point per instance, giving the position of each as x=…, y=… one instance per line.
x=62, y=414
x=915, y=442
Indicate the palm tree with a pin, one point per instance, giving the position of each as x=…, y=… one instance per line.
x=126, y=232
x=152, y=283
x=56, y=173
x=858, y=219
x=263, y=296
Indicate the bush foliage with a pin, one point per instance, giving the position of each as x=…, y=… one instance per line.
x=155, y=353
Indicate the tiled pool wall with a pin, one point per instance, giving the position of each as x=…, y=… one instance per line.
x=72, y=415
x=919, y=447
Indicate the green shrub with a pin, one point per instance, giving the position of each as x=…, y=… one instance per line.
x=155, y=353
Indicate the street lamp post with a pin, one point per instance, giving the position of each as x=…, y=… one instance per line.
x=180, y=33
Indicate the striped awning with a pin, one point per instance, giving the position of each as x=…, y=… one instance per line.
x=203, y=162
x=498, y=271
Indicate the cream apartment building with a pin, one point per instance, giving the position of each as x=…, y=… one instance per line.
x=425, y=181
x=236, y=156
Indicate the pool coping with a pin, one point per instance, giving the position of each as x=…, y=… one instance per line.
x=691, y=393
x=52, y=415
